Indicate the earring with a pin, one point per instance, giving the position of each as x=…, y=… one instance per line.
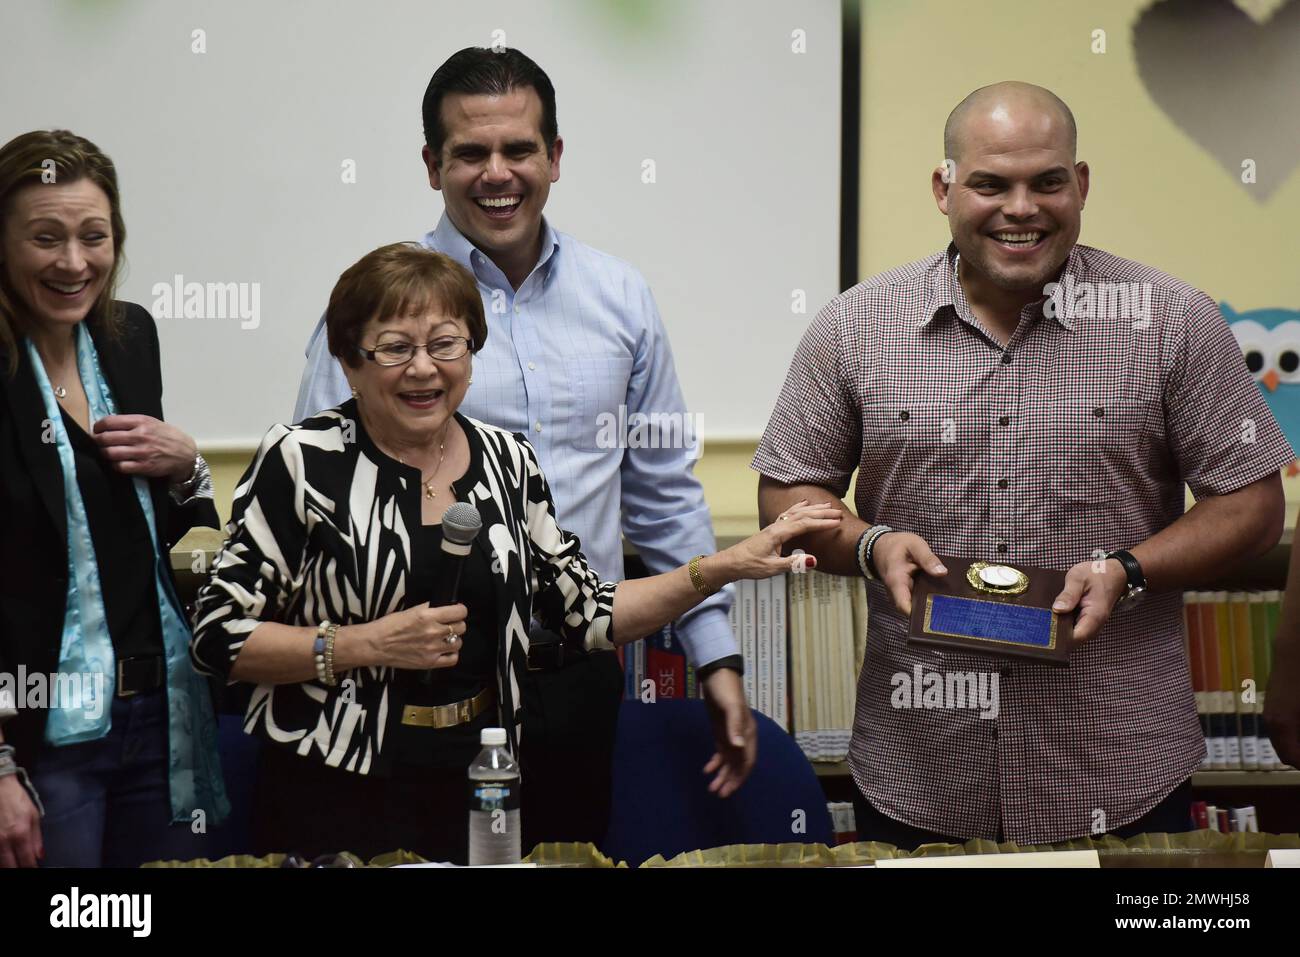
x=471, y=381
x=355, y=393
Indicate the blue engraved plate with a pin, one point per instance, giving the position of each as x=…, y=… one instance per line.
x=994, y=621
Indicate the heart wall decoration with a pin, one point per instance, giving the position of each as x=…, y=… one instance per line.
x=1228, y=76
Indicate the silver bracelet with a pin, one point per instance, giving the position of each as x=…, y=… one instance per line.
x=198, y=485
x=9, y=768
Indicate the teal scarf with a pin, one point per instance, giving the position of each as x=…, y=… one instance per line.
x=194, y=771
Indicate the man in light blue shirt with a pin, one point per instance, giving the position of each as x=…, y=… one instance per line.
x=577, y=359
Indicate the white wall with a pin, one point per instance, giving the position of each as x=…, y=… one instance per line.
x=230, y=164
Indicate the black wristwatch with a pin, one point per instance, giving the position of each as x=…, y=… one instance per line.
x=735, y=662
x=1137, y=582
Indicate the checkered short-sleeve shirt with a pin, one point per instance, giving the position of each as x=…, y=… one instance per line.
x=1113, y=392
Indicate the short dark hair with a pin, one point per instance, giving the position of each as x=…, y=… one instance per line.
x=397, y=280
x=491, y=72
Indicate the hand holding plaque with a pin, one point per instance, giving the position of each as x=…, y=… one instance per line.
x=997, y=609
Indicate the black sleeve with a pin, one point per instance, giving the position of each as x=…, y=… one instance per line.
x=180, y=518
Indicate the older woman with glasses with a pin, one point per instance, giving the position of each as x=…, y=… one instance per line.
x=372, y=699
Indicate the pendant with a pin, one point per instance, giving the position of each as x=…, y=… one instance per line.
x=61, y=392
x=429, y=493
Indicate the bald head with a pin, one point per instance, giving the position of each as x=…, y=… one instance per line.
x=1009, y=111
x=1012, y=189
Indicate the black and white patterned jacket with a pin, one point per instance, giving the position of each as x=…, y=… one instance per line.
x=321, y=530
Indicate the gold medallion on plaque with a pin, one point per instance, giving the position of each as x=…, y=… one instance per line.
x=996, y=579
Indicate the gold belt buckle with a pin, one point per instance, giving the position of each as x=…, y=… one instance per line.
x=121, y=680
x=445, y=715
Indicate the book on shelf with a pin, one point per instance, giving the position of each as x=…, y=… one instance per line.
x=657, y=667
x=761, y=633
x=747, y=596
x=827, y=622
x=763, y=647
x=843, y=821
x=780, y=654
x=1207, y=817
x=1229, y=640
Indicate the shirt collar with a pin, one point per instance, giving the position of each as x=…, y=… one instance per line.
x=947, y=294
x=447, y=239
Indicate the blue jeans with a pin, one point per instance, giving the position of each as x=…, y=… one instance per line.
x=107, y=802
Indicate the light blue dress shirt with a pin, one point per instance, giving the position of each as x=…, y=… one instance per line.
x=580, y=338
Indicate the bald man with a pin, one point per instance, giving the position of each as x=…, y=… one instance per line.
x=1024, y=399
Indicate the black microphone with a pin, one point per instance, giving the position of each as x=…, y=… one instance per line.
x=460, y=526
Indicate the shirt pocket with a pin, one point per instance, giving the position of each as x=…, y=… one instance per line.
x=598, y=417
x=1091, y=451
x=915, y=452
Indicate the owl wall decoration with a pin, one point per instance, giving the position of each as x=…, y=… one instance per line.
x=1270, y=341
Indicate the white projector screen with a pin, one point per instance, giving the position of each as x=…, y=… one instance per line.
x=232, y=165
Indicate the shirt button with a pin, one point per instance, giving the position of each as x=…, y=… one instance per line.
x=537, y=426
x=1002, y=546
x=1098, y=412
x=1005, y=420
x=532, y=366
x=904, y=415
x=1006, y=358
x=1002, y=483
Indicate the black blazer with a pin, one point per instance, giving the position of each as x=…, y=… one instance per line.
x=33, y=526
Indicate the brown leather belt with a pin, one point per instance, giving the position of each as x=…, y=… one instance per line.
x=449, y=715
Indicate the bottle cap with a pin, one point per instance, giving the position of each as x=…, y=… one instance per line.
x=492, y=736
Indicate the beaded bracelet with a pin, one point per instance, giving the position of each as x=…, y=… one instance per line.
x=318, y=651
x=866, y=548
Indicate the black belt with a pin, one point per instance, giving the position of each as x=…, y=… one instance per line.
x=140, y=675
x=549, y=651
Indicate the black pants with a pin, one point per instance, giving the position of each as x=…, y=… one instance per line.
x=303, y=807
x=1171, y=816
x=569, y=725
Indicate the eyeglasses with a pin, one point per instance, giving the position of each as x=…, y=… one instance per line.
x=400, y=353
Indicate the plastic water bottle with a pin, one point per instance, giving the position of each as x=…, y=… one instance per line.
x=494, y=836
